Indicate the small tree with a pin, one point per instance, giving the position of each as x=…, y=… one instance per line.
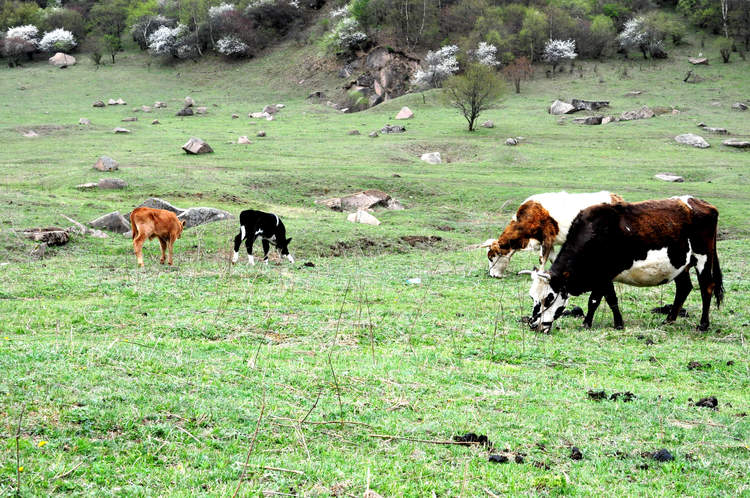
x=57, y=40
x=557, y=51
x=439, y=66
x=474, y=91
x=725, y=49
x=15, y=49
x=486, y=54
x=519, y=69
x=112, y=44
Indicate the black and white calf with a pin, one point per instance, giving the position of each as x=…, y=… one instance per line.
x=268, y=227
x=641, y=244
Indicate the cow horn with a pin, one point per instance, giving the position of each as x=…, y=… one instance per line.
x=544, y=275
x=487, y=243
x=526, y=272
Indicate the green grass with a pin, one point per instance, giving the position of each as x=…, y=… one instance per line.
x=150, y=382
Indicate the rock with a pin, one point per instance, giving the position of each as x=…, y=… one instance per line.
x=589, y=120
x=114, y=222
x=559, y=107
x=195, y=216
x=106, y=163
x=189, y=102
x=607, y=119
x=698, y=60
x=197, y=146
x=111, y=102
x=511, y=141
x=112, y=183
x=156, y=203
x=280, y=106
x=316, y=95
x=373, y=134
x=52, y=236
x=588, y=105
x=270, y=109
x=353, y=132
x=62, y=60
x=739, y=106
x=701, y=125
x=718, y=131
x=129, y=119
x=155, y=121
x=692, y=139
x=243, y=140
x=136, y=110
x=575, y=453
x=120, y=130
x=366, y=199
x=405, y=113
x=235, y=116
x=740, y=144
x=363, y=217
x=121, y=102
x=186, y=111
x=145, y=108
x=431, y=157
x=643, y=113
x=261, y=133
x=269, y=118
x=201, y=110
x=84, y=121
x=633, y=93
x=488, y=124
x=675, y=112
x=98, y=103
x=669, y=177
x=258, y=115
x=159, y=105
x=87, y=186
x=392, y=129
x=30, y=134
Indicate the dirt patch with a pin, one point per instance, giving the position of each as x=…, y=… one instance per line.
x=421, y=240
x=662, y=455
x=362, y=246
x=498, y=459
x=575, y=312
x=626, y=396
x=49, y=129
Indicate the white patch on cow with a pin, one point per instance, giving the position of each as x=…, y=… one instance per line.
x=242, y=232
x=259, y=231
x=684, y=199
x=656, y=269
x=290, y=258
x=277, y=220
x=539, y=291
x=235, y=257
x=251, y=259
x=265, y=260
x=499, y=263
x=564, y=207
x=700, y=261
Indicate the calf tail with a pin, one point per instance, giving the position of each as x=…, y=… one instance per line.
x=718, y=280
x=133, y=227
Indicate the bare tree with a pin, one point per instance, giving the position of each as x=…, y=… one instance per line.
x=519, y=69
x=474, y=91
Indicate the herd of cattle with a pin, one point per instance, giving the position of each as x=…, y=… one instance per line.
x=603, y=240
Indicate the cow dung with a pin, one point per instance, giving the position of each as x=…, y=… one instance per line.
x=575, y=453
x=662, y=455
x=709, y=402
x=498, y=459
x=471, y=437
x=696, y=365
x=666, y=309
x=597, y=395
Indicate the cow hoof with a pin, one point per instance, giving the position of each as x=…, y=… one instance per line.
x=619, y=327
x=586, y=325
x=702, y=327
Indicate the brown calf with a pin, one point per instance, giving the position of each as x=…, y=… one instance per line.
x=149, y=223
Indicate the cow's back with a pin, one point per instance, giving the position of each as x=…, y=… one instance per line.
x=563, y=207
x=153, y=222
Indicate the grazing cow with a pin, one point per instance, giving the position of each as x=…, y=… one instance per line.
x=268, y=227
x=149, y=223
x=541, y=221
x=642, y=244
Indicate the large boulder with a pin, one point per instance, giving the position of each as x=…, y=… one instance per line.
x=739, y=144
x=405, y=113
x=366, y=199
x=363, y=217
x=114, y=222
x=62, y=60
x=588, y=105
x=698, y=60
x=197, y=146
x=431, y=157
x=693, y=140
x=195, y=216
x=589, y=120
x=106, y=163
x=559, y=107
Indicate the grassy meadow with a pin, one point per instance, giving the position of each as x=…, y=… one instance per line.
x=154, y=382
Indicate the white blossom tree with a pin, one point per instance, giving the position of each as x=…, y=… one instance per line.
x=232, y=46
x=57, y=40
x=439, y=66
x=557, y=51
x=164, y=41
x=348, y=35
x=27, y=32
x=218, y=10
x=637, y=33
x=486, y=54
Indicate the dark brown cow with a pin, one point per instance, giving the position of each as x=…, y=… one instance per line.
x=148, y=223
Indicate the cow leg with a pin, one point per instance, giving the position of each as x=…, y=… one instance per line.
x=163, y=243
x=237, y=244
x=138, y=248
x=249, y=246
x=170, y=245
x=683, y=286
x=707, y=290
x=266, y=248
x=594, y=299
x=611, y=297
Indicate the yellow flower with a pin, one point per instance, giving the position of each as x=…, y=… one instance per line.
x=20, y=469
x=41, y=443
x=6, y=338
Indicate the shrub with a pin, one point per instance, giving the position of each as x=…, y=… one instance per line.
x=14, y=13
x=69, y=19
x=16, y=48
x=219, y=10
x=643, y=35
x=277, y=17
x=557, y=51
x=439, y=66
x=28, y=32
x=602, y=35
x=346, y=37
x=725, y=49
x=57, y=40
x=474, y=91
x=145, y=27
x=518, y=70
x=163, y=41
x=486, y=54
x=232, y=46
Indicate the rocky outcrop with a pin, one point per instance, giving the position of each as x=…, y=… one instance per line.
x=693, y=140
x=366, y=199
x=559, y=107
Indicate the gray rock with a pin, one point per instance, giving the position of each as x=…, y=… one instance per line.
x=121, y=102
x=669, y=177
x=106, y=163
x=431, y=157
x=317, y=95
x=511, y=141
x=112, y=183
x=373, y=134
x=607, y=119
x=189, y=102
x=718, y=131
x=270, y=109
x=120, y=130
x=146, y=108
x=405, y=113
x=159, y=105
x=698, y=60
x=740, y=144
x=693, y=140
x=98, y=103
x=559, y=107
x=488, y=124
x=643, y=113
x=114, y=222
x=739, y=106
x=261, y=133
x=87, y=186
x=235, y=116
x=633, y=93
x=155, y=121
x=353, y=132
x=52, y=236
x=195, y=216
x=84, y=121
x=367, y=199
x=280, y=106
x=197, y=146
x=392, y=129
x=187, y=111
x=589, y=120
x=201, y=110
x=588, y=105
x=129, y=119
x=243, y=140
x=30, y=134
x=62, y=60
x=111, y=102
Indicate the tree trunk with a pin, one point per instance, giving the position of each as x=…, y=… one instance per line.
x=113, y=57
x=517, y=82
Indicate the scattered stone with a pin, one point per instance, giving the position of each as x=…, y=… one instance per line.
x=98, y=103
x=607, y=119
x=675, y=112
x=243, y=140
x=235, y=116
x=146, y=108
x=87, y=186
x=693, y=140
x=740, y=144
x=62, y=60
x=136, y=110
x=261, y=133
x=392, y=129
x=129, y=119
x=498, y=459
x=112, y=183
x=121, y=102
x=317, y=95
x=488, y=124
x=366, y=199
x=559, y=107
x=111, y=102
x=353, y=132
x=84, y=121
x=193, y=216
x=52, y=236
x=633, y=93
x=431, y=157
x=186, y=111
x=189, y=102
x=269, y=118
x=575, y=453
x=363, y=217
x=201, y=110
x=120, y=130
x=159, y=105
x=739, y=106
x=698, y=60
x=270, y=109
x=280, y=106
x=669, y=177
x=373, y=134
x=114, y=222
x=511, y=141
x=155, y=122
x=197, y=146
x=662, y=455
x=421, y=240
x=106, y=163
x=588, y=105
x=589, y=120
x=405, y=113
x=696, y=365
x=642, y=113
x=597, y=395
x=30, y=134
x=709, y=402
x=258, y=115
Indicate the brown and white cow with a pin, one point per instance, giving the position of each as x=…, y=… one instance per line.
x=149, y=223
x=643, y=244
x=541, y=221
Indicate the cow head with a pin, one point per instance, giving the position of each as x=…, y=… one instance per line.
x=283, y=247
x=548, y=302
x=499, y=258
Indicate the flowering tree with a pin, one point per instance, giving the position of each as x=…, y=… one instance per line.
x=28, y=32
x=643, y=35
x=164, y=41
x=347, y=35
x=486, y=54
x=556, y=51
x=57, y=40
x=232, y=46
x=220, y=10
x=439, y=66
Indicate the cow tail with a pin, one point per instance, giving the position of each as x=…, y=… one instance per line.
x=133, y=227
x=717, y=277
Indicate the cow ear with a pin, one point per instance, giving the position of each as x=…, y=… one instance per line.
x=288, y=240
x=183, y=223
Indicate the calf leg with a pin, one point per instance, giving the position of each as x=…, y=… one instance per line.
x=266, y=248
x=707, y=290
x=237, y=244
x=138, y=248
x=249, y=246
x=611, y=297
x=170, y=245
x=683, y=286
x=163, y=243
x=594, y=299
